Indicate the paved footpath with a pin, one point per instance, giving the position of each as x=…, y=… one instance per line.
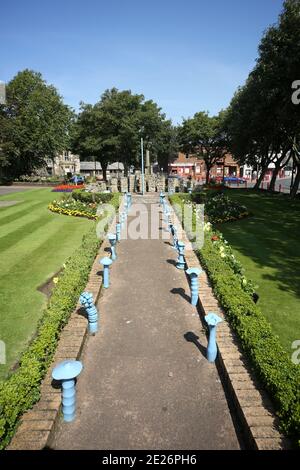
x=146, y=383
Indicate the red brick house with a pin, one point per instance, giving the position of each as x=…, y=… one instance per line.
x=190, y=166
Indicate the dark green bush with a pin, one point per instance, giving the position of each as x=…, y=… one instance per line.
x=22, y=389
x=271, y=362
x=83, y=196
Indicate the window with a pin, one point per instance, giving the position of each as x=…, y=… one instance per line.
x=219, y=171
x=186, y=170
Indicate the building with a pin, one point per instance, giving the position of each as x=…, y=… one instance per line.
x=63, y=164
x=193, y=167
x=94, y=169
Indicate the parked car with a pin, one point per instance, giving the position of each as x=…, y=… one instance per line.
x=234, y=179
x=77, y=179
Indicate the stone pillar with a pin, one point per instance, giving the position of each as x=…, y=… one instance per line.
x=161, y=183
x=114, y=185
x=151, y=184
x=124, y=184
x=147, y=163
x=171, y=185
x=131, y=183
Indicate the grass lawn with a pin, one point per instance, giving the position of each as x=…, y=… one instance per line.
x=34, y=243
x=268, y=245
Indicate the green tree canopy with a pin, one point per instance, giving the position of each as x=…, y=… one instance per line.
x=111, y=129
x=34, y=124
x=204, y=136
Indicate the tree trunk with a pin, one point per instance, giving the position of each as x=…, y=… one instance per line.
x=260, y=178
x=274, y=177
x=295, y=186
x=125, y=169
x=104, y=169
x=207, y=174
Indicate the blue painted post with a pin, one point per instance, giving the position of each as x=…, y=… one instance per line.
x=118, y=232
x=194, y=273
x=180, y=261
x=130, y=199
x=122, y=219
x=66, y=372
x=112, y=240
x=175, y=239
x=106, y=262
x=190, y=191
x=87, y=301
x=212, y=320
x=161, y=198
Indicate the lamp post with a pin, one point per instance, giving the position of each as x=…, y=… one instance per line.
x=142, y=157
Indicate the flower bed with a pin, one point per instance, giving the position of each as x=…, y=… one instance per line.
x=219, y=208
x=70, y=206
x=66, y=188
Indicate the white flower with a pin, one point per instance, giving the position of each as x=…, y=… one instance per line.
x=222, y=249
x=223, y=255
x=244, y=282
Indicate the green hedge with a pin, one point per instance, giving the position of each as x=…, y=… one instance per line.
x=22, y=389
x=83, y=196
x=271, y=362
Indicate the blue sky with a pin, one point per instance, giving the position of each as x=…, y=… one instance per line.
x=187, y=55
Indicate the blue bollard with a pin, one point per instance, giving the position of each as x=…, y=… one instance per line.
x=128, y=198
x=106, y=262
x=87, y=301
x=112, y=240
x=66, y=372
x=161, y=197
x=212, y=320
x=118, y=232
x=175, y=238
x=194, y=273
x=190, y=191
x=180, y=261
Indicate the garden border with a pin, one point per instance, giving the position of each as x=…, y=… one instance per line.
x=36, y=424
x=253, y=407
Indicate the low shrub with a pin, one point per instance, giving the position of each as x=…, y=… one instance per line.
x=271, y=362
x=273, y=365
x=22, y=389
x=84, y=196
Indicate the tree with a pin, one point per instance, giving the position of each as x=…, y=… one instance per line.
x=111, y=129
x=35, y=124
x=263, y=123
x=204, y=136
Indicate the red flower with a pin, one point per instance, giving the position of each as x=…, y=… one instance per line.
x=215, y=238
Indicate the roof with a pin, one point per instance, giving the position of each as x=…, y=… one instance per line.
x=91, y=166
